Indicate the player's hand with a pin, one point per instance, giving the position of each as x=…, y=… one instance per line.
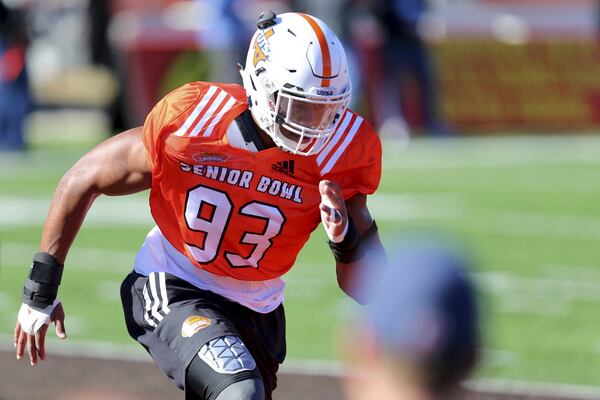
x=31, y=328
x=333, y=211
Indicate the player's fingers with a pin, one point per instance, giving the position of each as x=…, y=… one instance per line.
x=331, y=215
x=61, y=332
x=322, y=185
x=21, y=343
x=16, y=333
x=40, y=341
x=58, y=316
x=333, y=193
x=32, y=350
x=325, y=208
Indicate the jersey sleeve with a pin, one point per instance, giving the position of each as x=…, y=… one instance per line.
x=359, y=167
x=167, y=115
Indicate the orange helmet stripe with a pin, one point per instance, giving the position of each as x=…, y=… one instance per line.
x=325, y=56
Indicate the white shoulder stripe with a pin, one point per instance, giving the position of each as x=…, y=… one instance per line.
x=199, y=108
x=209, y=113
x=336, y=138
x=218, y=117
x=340, y=150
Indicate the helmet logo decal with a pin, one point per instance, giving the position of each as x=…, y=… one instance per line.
x=261, y=46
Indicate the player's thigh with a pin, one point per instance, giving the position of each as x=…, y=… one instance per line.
x=173, y=320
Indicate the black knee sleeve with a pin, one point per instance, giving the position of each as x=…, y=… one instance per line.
x=248, y=389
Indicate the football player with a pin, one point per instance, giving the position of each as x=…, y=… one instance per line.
x=239, y=178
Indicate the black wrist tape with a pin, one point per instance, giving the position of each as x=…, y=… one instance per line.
x=346, y=250
x=352, y=248
x=41, y=286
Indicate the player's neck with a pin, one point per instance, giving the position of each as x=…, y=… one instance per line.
x=264, y=137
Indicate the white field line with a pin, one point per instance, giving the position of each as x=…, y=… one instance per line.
x=434, y=160
x=422, y=152
x=531, y=224
x=334, y=369
x=491, y=152
x=562, y=286
x=416, y=206
x=547, y=296
x=105, y=211
x=384, y=207
x=16, y=254
x=543, y=288
x=402, y=207
x=135, y=210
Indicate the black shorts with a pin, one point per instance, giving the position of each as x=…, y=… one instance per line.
x=174, y=331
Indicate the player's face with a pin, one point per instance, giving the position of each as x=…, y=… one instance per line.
x=307, y=114
x=295, y=137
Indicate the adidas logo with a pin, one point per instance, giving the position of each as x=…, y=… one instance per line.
x=287, y=167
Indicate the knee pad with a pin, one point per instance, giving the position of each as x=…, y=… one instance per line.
x=227, y=355
x=224, y=369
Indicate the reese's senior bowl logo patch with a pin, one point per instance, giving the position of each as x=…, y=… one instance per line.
x=193, y=324
x=211, y=157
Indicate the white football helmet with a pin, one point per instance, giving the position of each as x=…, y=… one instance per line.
x=297, y=80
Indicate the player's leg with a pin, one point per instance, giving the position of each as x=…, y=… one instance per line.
x=190, y=335
x=251, y=389
x=261, y=342
x=224, y=369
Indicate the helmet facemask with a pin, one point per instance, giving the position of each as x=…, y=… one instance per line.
x=304, y=123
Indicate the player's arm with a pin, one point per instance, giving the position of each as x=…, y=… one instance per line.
x=117, y=166
x=353, y=235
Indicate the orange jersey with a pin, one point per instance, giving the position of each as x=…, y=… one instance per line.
x=239, y=213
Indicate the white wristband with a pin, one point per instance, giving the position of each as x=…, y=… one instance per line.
x=32, y=320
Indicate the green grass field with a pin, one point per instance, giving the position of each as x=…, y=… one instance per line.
x=528, y=208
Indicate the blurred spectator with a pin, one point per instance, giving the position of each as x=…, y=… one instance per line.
x=418, y=336
x=386, y=37
x=14, y=88
x=228, y=39
x=101, y=54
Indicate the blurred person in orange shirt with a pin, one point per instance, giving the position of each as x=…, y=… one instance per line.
x=418, y=337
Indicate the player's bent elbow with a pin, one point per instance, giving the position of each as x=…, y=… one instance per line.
x=79, y=181
x=346, y=281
